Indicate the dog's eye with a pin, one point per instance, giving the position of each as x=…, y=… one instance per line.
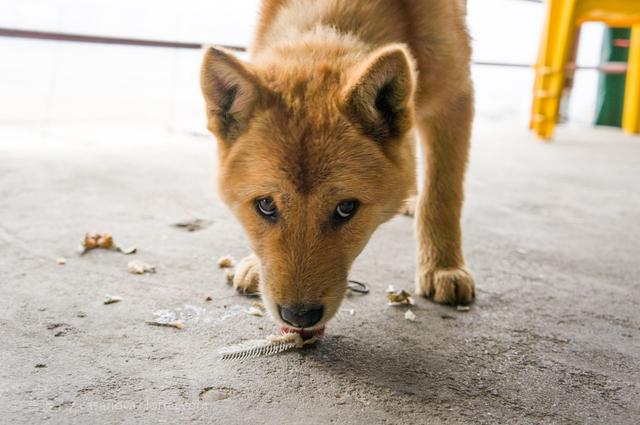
x=345, y=210
x=267, y=208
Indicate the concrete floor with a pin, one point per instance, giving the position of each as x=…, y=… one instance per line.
x=552, y=233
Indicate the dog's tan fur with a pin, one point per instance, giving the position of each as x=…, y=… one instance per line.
x=324, y=112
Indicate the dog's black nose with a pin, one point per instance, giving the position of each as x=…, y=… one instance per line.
x=301, y=315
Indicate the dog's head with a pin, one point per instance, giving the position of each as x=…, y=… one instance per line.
x=312, y=160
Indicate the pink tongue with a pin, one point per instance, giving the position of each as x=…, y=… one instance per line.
x=304, y=333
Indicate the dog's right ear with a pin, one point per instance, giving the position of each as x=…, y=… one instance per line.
x=230, y=91
x=379, y=92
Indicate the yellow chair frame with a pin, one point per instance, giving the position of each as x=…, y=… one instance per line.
x=562, y=20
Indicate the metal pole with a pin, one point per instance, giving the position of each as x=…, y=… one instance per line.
x=607, y=68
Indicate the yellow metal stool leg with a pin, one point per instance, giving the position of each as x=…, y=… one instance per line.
x=631, y=111
x=550, y=70
x=537, y=84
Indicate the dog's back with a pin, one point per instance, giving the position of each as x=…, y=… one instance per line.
x=434, y=31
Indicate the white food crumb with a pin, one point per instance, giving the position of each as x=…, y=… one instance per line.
x=140, y=267
x=463, y=308
x=254, y=311
x=410, y=316
x=61, y=261
x=111, y=299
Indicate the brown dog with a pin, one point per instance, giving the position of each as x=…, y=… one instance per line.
x=316, y=144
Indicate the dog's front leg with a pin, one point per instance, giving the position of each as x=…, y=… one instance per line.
x=445, y=135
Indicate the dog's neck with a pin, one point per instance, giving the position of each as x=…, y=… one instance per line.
x=308, y=32
x=306, y=46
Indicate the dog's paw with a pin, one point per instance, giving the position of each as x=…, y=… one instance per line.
x=247, y=276
x=409, y=207
x=446, y=286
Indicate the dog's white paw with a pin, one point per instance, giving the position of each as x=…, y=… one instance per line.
x=247, y=276
x=453, y=286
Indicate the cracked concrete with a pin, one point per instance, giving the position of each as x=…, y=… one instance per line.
x=552, y=233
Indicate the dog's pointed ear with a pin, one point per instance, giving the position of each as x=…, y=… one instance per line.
x=379, y=93
x=230, y=91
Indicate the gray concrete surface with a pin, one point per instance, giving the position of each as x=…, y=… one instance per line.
x=552, y=233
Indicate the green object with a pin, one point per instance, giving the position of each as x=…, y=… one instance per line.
x=611, y=86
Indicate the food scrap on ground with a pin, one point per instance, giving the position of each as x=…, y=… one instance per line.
x=126, y=251
x=255, y=311
x=296, y=337
x=178, y=324
x=401, y=297
x=463, y=308
x=140, y=267
x=225, y=262
x=166, y=318
x=228, y=276
x=192, y=225
x=61, y=261
x=209, y=298
x=111, y=299
x=409, y=315
x=102, y=241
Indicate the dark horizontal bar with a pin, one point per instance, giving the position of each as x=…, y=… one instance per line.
x=55, y=36
x=508, y=65
x=607, y=68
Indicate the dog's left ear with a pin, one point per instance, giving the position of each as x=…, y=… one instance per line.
x=379, y=93
x=230, y=91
